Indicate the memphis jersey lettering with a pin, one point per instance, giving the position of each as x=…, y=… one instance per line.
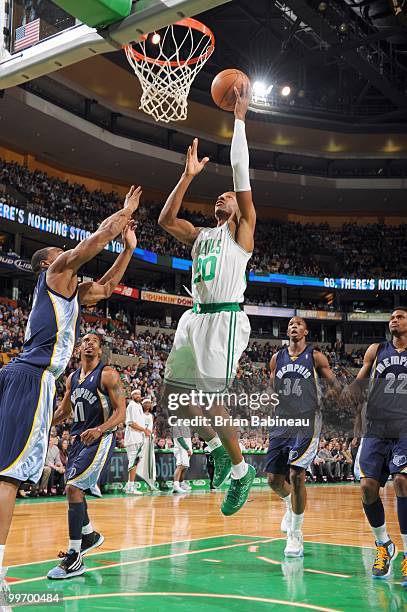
x=218, y=267
x=388, y=385
x=91, y=405
x=52, y=329
x=296, y=384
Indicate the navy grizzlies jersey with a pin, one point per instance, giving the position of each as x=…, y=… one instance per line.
x=52, y=329
x=387, y=399
x=91, y=405
x=296, y=383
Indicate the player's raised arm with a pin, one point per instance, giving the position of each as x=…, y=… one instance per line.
x=91, y=292
x=112, y=383
x=64, y=409
x=239, y=159
x=61, y=271
x=181, y=229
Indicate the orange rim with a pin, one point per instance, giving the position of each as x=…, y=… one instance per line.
x=188, y=22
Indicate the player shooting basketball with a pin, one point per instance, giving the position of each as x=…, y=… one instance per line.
x=211, y=337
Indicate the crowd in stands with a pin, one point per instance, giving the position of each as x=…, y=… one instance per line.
x=291, y=248
x=148, y=351
x=283, y=247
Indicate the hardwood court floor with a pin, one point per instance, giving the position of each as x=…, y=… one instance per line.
x=166, y=552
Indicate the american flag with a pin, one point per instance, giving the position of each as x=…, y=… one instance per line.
x=27, y=35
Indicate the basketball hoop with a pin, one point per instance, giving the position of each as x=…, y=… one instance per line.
x=167, y=65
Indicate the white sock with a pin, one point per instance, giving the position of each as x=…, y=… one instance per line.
x=176, y=483
x=380, y=534
x=287, y=501
x=239, y=470
x=297, y=521
x=214, y=443
x=87, y=529
x=403, y=537
x=75, y=545
x=2, y=547
x=130, y=485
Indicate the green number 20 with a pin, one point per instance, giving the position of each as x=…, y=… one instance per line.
x=205, y=269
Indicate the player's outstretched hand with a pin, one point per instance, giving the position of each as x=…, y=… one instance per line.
x=132, y=199
x=193, y=166
x=129, y=237
x=242, y=101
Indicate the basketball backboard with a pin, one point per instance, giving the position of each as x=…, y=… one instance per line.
x=37, y=37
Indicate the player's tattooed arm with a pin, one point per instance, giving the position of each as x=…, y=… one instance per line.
x=181, y=229
x=92, y=292
x=64, y=409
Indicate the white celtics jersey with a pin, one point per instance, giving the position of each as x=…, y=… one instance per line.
x=218, y=267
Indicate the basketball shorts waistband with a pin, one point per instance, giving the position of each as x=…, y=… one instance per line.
x=216, y=307
x=18, y=366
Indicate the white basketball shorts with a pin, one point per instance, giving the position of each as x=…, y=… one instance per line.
x=206, y=350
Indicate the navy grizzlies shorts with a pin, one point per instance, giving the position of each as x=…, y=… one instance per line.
x=27, y=401
x=86, y=465
x=286, y=449
x=377, y=458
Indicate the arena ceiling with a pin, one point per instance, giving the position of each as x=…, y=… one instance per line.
x=345, y=60
x=57, y=137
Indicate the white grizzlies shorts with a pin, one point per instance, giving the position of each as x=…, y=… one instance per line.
x=133, y=454
x=206, y=350
x=181, y=456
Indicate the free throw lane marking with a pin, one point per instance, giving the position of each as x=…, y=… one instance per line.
x=140, y=546
x=159, y=558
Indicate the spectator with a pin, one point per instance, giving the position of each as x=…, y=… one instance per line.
x=53, y=479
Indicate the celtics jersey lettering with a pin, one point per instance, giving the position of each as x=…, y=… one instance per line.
x=218, y=267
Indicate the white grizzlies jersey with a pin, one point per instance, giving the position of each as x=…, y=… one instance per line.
x=218, y=267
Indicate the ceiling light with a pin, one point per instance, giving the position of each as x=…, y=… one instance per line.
x=286, y=90
x=260, y=88
x=155, y=39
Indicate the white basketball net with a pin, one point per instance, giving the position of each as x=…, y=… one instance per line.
x=167, y=77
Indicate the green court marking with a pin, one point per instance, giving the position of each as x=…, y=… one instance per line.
x=252, y=575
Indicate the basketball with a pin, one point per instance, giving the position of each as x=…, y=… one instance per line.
x=222, y=87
